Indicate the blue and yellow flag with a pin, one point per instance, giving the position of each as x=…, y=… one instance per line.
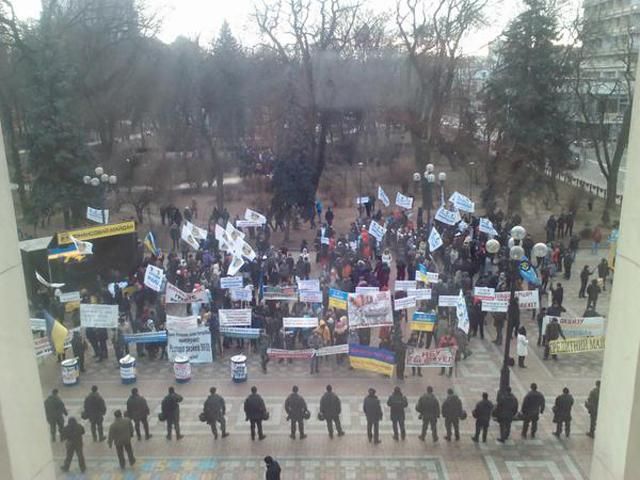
x=150, y=243
x=376, y=360
x=56, y=332
x=527, y=272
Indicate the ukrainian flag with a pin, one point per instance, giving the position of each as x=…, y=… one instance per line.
x=56, y=332
x=150, y=243
x=376, y=360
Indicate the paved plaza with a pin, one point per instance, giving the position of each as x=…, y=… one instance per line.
x=199, y=456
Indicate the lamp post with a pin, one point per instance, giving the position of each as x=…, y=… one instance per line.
x=442, y=177
x=102, y=180
x=429, y=180
x=472, y=166
x=516, y=253
x=359, y=202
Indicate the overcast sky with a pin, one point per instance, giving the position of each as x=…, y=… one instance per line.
x=203, y=18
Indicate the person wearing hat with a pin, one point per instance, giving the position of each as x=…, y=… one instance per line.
x=297, y=411
x=397, y=403
x=532, y=408
x=373, y=412
x=138, y=411
x=120, y=433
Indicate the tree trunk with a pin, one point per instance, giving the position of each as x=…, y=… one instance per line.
x=322, y=149
x=422, y=156
x=612, y=193
x=13, y=154
x=612, y=179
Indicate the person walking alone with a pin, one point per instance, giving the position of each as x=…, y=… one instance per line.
x=120, y=433
x=397, y=403
x=330, y=409
x=522, y=348
x=55, y=412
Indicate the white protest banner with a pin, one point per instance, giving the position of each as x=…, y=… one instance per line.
x=484, y=293
x=240, y=332
x=435, y=240
x=300, y=322
x=494, y=306
x=231, y=282
x=578, y=327
x=95, y=215
x=247, y=224
x=69, y=297
x=462, y=203
x=186, y=234
x=462, y=313
x=310, y=296
x=195, y=344
x=376, y=230
x=404, y=303
x=383, y=196
x=369, y=309
x=224, y=240
x=437, y=357
x=420, y=293
x=404, y=201
x=447, y=300
x=240, y=294
x=197, y=232
x=447, y=216
x=362, y=200
x=405, y=285
x=281, y=353
x=98, y=316
x=233, y=233
x=181, y=324
x=173, y=294
x=235, y=265
x=312, y=284
x=486, y=226
x=239, y=317
x=367, y=289
x=153, y=278
x=333, y=350
x=527, y=299
x=246, y=250
x=253, y=216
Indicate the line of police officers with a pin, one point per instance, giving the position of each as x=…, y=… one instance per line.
x=428, y=406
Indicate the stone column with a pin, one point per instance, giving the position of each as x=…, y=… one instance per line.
x=25, y=451
x=616, y=454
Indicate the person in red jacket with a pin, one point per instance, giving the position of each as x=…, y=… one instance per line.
x=447, y=340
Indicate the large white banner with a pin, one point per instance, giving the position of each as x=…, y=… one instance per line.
x=369, y=309
x=377, y=230
x=462, y=203
x=404, y=201
x=578, y=327
x=197, y=232
x=462, y=313
x=181, y=324
x=235, y=265
x=300, y=322
x=196, y=345
x=153, y=278
x=405, y=285
x=435, y=240
x=98, y=316
x=238, y=317
x=447, y=216
x=174, y=295
x=383, y=196
x=95, y=215
x=527, y=299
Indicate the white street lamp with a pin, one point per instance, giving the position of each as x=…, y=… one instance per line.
x=113, y=179
x=86, y=179
x=94, y=182
x=518, y=232
x=99, y=171
x=539, y=250
x=516, y=252
x=431, y=178
x=104, y=178
x=493, y=245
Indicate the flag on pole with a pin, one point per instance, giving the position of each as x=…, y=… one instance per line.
x=56, y=332
x=150, y=243
x=435, y=240
x=462, y=313
x=383, y=196
x=527, y=272
x=84, y=248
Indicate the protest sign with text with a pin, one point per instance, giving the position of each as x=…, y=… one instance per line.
x=462, y=202
x=578, y=327
x=382, y=196
x=279, y=293
x=447, y=300
x=240, y=294
x=195, y=344
x=309, y=296
x=404, y=285
x=174, y=295
x=96, y=215
x=280, y=353
x=153, y=278
x=527, y=299
x=404, y=201
x=484, y=293
x=300, y=322
x=377, y=230
x=240, y=332
x=237, y=317
x=435, y=240
x=98, y=316
x=311, y=284
x=576, y=345
x=231, y=282
x=494, y=306
x=447, y=217
x=404, y=303
x=436, y=357
x=181, y=324
x=420, y=293
x=370, y=309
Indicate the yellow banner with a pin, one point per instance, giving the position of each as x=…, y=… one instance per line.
x=422, y=326
x=372, y=365
x=337, y=303
x=97, y=232
x=576, y=345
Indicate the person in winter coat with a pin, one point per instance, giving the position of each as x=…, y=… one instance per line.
x=447, y=340
x=482, y=414
x=552, y=332
x=171, y=410
x=373, y=412
x=593, y=291
x=94, y=410
x=592, y=407
x=584, y=279
x=429, y=409
x=315, y=341
x=532, y=408
x=452, y=412
x=255, y=411
x=273, y=469
x=120, y=433
x=397, y=403
x=414, y=341
x=603, y=273
x=138, y=411
x=506, y=409
x=297, y=411
x=214, y=410
x=79, y=346
x=72, y=434
x=55, y=412
x=562, y=412
x=330, y=409
x=522, y=347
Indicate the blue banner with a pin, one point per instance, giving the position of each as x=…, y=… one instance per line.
x=527, y=272
x=146, y=337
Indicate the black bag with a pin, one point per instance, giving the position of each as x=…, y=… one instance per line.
x=320, y=417
x=463, y=416
x=161, y=417
x=306, y=415
x=83, y=415
x=202, y=417
x=265, y=417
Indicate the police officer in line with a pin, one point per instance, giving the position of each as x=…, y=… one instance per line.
x=532, y=408
x=138, y=411
x=72, y=434
x=120, y=433
x=373, y=412
x=170, y=407
x=94, y=410
x=482, y=414
x=397, y=403
x=255, y=411
x=562, y=412
x=592, y=407
x=214, y=411
x=330, y=409
x=55, y=412
x=452, y=412
x=297, y=411
x=429, y=409
x=506, y=409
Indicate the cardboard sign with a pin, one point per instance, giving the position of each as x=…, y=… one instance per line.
x=404, y=303
x=231, y=282
x=404, y=201
x=237, y=317
x=484, y=293
x=300, y=322
x=181, y=324
x=95, y=215
x=423, y=321
x=431, y=358
x=153, y=278
x=98, y=316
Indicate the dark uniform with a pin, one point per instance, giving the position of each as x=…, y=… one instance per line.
x=452, y=411
x=72, y=434
x=429, y=409
x=373, y=412
x=506, y=409
x=592, y=407
x=171, y=410
x=55, y=411
x=94, y=410
x=532, y=408
x=296, y=408
x=331, y=408
x=562, y=413
x=397, y=403
x=255, y=411
x=138, y=411
x=120, y=433
x=214, y=410
x=79, y=346
x=482, y=414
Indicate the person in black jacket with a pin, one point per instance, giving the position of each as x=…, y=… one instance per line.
x=255, y=411
x=452, y=412
x=562, y=412
x=79, y=346
x=373, y=412
x=506, y=409
x=296, y=409
x=214, y=411
x=429, y=409
x=330, y=409
x=273, y=469
x=138, y=411
x=94, y=410
x=532, y=408
x=397, y=403
x=72, y=434
x=482, y=414
x=171, y=410
x=55, y=412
